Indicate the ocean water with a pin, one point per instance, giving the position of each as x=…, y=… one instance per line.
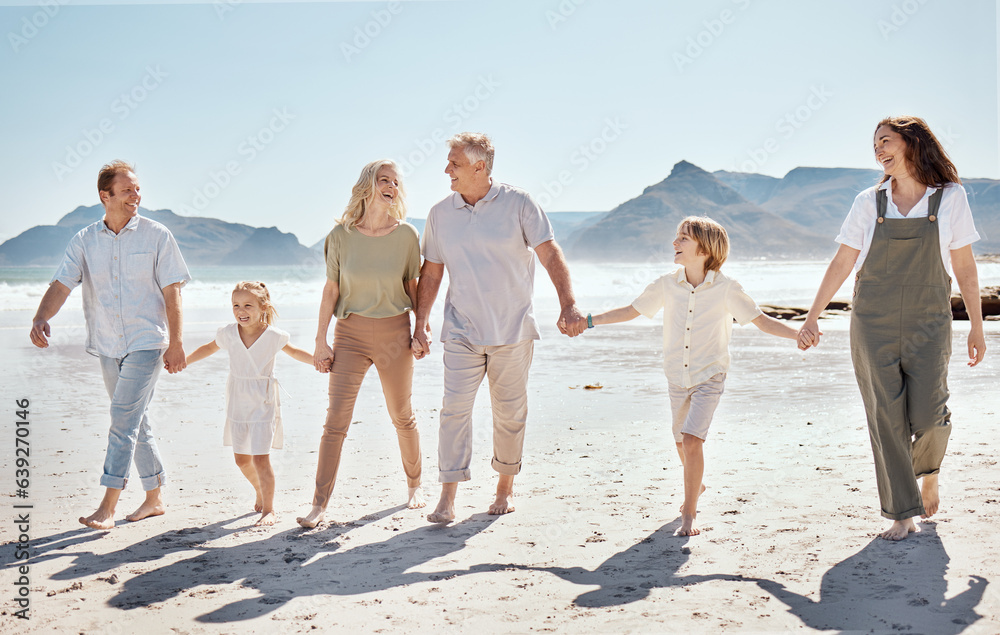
x=296, y=290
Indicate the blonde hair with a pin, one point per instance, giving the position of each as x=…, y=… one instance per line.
x=364, y=192
x=712, y=239
x=477, y=146
x=259, y=291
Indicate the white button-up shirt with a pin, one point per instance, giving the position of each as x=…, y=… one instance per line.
x=488, y=250
x=123, y=276
x=697, y=323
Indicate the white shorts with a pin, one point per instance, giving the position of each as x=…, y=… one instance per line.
x=692, y=408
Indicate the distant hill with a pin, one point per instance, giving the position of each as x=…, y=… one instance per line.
x=644, y=227
x=203, y=241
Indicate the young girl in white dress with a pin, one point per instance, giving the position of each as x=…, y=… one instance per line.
x=253, y=414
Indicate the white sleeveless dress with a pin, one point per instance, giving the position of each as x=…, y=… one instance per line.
x=253, y=408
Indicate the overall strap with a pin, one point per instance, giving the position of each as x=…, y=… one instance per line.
x=881, y=203
x=933, y=203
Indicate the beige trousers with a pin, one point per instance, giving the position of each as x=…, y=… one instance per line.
x=360, y=342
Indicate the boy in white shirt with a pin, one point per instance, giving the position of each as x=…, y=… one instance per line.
x=699, y=304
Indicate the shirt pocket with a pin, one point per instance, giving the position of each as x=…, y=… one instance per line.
x=139, y=266
x=900, y=254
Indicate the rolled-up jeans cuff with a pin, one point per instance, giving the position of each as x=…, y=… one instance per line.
x=454, y=476
x=113, y=482
x=507, y=469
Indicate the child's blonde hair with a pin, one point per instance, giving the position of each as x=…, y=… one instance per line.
x=712, y=239
x=259, y=291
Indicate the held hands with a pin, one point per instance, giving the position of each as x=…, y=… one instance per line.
x=571, y=322
x=323, y=357
x=420, y=344
x=174, y=360
x=809, y=334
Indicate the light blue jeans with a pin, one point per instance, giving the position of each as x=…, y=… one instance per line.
x=130, y=381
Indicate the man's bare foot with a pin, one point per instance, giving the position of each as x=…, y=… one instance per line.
x=929, y=494
x=101, y=519
x=148, y=508
x=899, y=529
x=415, y=498
x=266, y=519
x=502, y=504
x=311, y=519
x=687, y=527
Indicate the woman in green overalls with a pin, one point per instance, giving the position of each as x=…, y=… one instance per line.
x=904, y=237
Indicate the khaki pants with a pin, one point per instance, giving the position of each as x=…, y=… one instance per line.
x=358, y=343
x=465, y=365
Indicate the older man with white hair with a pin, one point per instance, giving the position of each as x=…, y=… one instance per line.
x=486, y=234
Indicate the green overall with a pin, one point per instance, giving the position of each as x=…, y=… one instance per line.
x=900, y=345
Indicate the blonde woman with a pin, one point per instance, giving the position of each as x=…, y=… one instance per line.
x=372, y=264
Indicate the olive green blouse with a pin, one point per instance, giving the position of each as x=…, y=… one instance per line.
x=371, y=271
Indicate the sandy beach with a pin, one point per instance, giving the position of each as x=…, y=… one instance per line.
x=790, y=522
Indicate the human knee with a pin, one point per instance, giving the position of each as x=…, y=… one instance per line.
x=262, y=461
x=243, y=460
x=691, y=442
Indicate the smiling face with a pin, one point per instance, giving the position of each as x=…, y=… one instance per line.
x=890, y=152
x=687, y=251
x=247, y=309
x=122, y=197
x=386, y=188
x=464, y=175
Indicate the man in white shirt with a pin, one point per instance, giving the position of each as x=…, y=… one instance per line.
x=486, y=235
x=132, y=272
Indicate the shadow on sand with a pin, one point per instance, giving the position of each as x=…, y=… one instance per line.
x=888, y=587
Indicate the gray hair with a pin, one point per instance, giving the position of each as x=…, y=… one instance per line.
x=477, y=146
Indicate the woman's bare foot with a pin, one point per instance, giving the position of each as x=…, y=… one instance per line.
x=687, y=527
x=415, y=498
x=929, y=494
x=899, y=529
x=101, y=519
x=152, y=506
x=266, y=519
x=311, y=519
x=703, y=488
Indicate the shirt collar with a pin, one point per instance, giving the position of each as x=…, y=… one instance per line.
x=887, y=186
x=682, y=279
x=133, y=224
x=460, y=203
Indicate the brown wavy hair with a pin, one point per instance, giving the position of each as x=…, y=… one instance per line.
x=924, y=154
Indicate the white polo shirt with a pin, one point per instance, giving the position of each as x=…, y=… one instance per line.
x=697, y=323
x=955, y=226
x=488, y=251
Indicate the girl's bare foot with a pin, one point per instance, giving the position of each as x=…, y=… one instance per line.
x=687, y=527
x=929, y=494
x=266, y=519
x=311, y=519
x=415, y=498
x=899, y=529
x=258, y=505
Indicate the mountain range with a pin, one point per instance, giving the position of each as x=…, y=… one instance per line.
x=797, y=216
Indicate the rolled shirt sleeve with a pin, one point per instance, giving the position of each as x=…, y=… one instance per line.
x=740, y=305
x=651, y=300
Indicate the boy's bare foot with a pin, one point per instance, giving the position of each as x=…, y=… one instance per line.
x=502, y=503
x=266, y=519
x=687, y=527
x=899, y=529
x=929, y=494
x=101, y=519
x=311, y=519
x=415, y=498
x=152, y=506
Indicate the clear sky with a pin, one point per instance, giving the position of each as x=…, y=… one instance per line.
x=264, y=113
